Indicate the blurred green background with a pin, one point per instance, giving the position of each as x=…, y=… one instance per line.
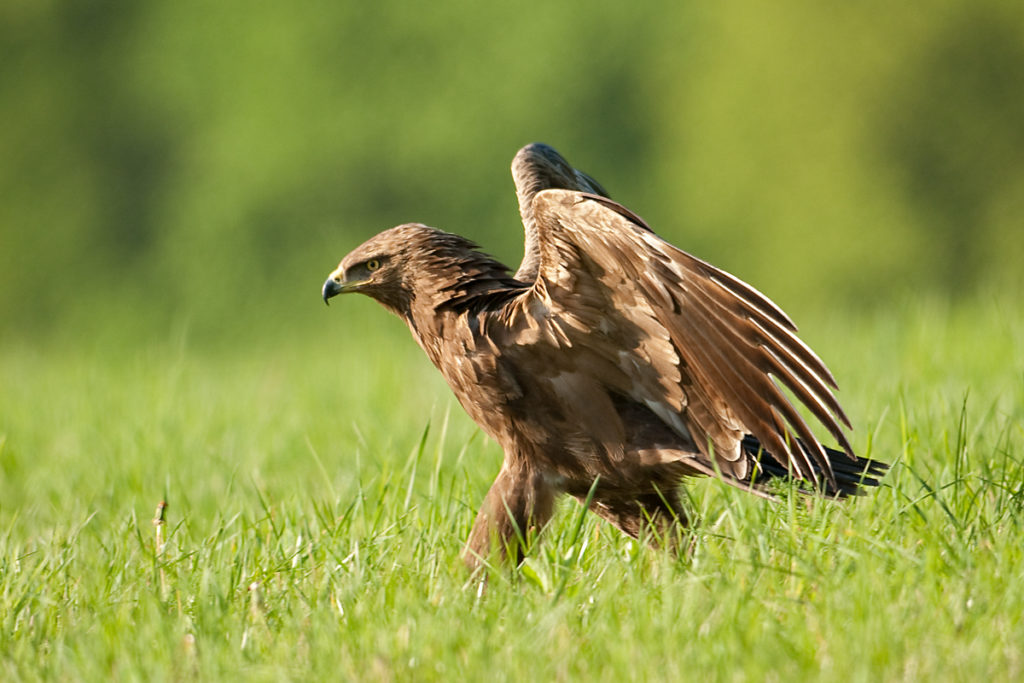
x=206, y=164
x=177, y=178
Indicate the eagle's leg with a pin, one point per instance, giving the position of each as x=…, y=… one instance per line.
x=518, y=506
x=657, y=517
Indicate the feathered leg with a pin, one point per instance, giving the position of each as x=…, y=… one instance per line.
x=520, y=502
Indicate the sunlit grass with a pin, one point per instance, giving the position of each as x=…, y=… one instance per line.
x=319, y=491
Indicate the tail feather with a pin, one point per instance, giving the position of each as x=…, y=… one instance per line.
x=851, y=476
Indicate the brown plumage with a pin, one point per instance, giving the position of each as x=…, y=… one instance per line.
x=609, y=357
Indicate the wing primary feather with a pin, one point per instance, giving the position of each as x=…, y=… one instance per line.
x=791, y=367
x=803, y=380
x=758, y=307
x=749, y=405
x=792, y=343
x=747, y=293
x=810, y=398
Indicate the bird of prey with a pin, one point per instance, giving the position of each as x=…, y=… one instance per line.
x=610, y=366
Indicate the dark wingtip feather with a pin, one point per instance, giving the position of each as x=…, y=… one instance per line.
x=852, y=476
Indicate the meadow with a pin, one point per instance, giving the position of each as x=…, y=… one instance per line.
x=319, y=485
x=178, y=179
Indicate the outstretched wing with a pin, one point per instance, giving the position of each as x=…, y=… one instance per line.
x=535, y=168
x=704, y=351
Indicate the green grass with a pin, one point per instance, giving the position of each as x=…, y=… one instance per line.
x=320, y=488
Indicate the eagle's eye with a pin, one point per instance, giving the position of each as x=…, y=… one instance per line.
x=372, y=265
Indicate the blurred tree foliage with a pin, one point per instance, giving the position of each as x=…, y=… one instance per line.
x=214, y=160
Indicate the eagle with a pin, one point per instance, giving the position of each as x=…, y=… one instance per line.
x=610, y=366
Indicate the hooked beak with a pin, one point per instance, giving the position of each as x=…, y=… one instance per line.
x=332, y=287
x=337, y=284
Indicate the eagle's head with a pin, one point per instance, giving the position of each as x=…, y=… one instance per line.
x=411, y=262
x=378, y=267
